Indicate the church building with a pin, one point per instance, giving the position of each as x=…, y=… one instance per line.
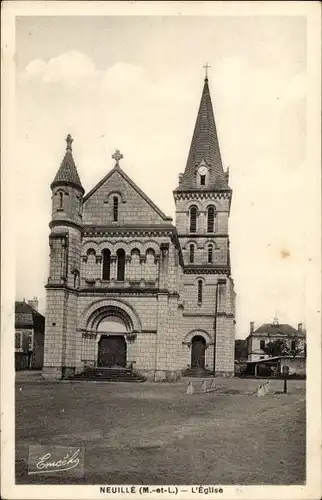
x=129, y=288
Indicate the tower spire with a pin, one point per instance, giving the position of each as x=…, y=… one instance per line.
x=204, y=146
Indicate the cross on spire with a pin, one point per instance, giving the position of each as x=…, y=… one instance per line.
x=206, y=66
x=117, y=156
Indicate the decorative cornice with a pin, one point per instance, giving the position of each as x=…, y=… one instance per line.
x=62, y=234
x=203, y=235
x=62, y=287
x=128, y=231
x=225, y=315
x=207, y=270
x=202, y=194
x=198, y=314
x=55, y=184
x=63, y=222
x=126, y=291
x=96, y=332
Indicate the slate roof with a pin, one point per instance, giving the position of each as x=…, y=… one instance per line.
x=204, y=146
x=67, y=172
x=26, y=316
x=277, y=329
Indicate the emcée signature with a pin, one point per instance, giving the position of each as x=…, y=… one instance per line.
x=45, y=464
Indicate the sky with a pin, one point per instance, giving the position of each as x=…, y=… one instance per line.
x=134, y=83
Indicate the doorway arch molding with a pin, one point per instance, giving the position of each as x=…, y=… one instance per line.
x=93, y=314
x=198, y=332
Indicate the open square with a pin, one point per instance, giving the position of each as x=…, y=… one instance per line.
x=149, y=433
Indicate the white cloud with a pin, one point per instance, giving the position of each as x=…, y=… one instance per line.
x=69, y=68
x=74, y=68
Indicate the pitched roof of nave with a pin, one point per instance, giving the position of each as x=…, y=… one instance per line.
x=204, y=147
x=118, y=169
x=67, y=172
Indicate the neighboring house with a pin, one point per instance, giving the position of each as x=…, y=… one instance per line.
x=29, y=336
x=280, y=344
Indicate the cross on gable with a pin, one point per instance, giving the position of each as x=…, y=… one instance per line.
x=117, y=156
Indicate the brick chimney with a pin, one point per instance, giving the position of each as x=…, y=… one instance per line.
x=300, y=327
x=252, y=327
x=34, y=303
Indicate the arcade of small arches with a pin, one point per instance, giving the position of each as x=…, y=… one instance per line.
x=209, y=249
x=135, y=264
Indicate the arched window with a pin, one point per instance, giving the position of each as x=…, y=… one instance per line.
x=120, y=264
x=61, y=199
x=211, y=220
x=191, y=253
x=210, y=254
x=115, y=208
x=193, y=219
x=106, y=264
x=199, y=291
x=202, y=180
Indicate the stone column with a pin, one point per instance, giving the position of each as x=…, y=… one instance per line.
x=225, y=337
x=98, y=276
x=201, y=224
x=127, y=270
x=113, y=270
x=142, y=262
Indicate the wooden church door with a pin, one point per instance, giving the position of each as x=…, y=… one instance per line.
x=112, y=351
x=198, y=351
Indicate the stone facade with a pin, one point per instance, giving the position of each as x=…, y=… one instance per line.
x=128, y=288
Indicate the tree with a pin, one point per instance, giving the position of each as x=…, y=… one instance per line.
x=296, y=348
x=276, y=348
x=241, y=350
x=282, y=348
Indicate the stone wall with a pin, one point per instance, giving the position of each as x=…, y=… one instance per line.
x=132, y=207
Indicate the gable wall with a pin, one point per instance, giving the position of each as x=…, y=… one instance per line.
x=133, y=209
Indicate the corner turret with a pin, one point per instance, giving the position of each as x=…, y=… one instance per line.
x=64, y=271
x=67, y=190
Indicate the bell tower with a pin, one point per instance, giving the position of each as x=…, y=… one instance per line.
x=203, y=200
x=64, y=270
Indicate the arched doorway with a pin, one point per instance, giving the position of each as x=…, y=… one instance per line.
x=112, y=343
x=198, y=351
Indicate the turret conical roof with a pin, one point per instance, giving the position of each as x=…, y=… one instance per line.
x=67, y=172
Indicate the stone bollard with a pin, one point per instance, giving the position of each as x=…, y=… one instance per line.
x=190, y=388
x=260, y=391
x=203, y=386
x=213, y=384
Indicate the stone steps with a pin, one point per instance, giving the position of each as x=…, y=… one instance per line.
x=197, y=372
x=109, y=374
